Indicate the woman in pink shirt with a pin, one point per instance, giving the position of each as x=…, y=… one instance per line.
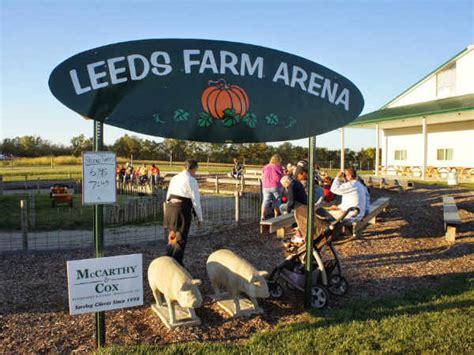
x=271, y=186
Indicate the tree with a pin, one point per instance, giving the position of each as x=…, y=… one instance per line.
x=366, y=154
x=128, y=145
x=176, y=149
x=80, y=144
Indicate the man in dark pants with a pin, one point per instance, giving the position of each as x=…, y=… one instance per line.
x=182, y=200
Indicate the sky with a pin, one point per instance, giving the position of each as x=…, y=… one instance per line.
x=382, y=46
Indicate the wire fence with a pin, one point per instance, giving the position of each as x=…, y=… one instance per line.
x=29, y=222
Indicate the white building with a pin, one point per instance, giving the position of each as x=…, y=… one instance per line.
x=428, y=129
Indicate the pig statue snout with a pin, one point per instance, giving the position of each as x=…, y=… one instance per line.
x=190, y=297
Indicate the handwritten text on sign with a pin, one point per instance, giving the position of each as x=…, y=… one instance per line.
x=98, y=178
x=103, y=284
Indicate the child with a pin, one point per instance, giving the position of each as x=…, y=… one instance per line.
x=328, y=195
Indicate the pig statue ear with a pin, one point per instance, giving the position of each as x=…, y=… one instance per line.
x=263, y=273
x=196, y=282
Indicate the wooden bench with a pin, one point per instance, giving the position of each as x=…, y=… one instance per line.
x=451, y=218
x=278, y=224
x=402, y=184
x=376, y=207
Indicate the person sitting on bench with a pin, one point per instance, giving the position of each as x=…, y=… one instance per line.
x=295, y=193
x=328, y=195
x=353, y=195
x=367, y=195
x=237, y=170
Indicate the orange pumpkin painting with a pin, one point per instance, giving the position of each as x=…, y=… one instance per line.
x=220, y=96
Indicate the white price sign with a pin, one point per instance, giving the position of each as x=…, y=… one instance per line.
x=103, y=284
x=98, y=178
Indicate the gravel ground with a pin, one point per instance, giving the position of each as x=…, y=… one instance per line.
x=404, y=250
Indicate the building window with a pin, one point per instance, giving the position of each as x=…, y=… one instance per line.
x=400, y=155
x=446, y=82
x=444, y=154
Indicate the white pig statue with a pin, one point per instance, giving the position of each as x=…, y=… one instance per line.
x=169, y=279
x=236, y=275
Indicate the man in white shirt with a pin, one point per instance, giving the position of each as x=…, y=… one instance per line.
x=353, y=195
x=181, y=200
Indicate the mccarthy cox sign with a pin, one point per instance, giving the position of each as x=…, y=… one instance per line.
x=206, y=90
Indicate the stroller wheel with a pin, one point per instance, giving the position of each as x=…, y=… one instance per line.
x=319, y=297
x=338, y=285
x=275, y=290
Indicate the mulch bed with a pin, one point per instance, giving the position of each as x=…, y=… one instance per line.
x=405, y=250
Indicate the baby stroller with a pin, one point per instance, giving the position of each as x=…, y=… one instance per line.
x=326, y=273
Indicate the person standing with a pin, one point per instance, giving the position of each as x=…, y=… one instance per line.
x=182, y=200
x=155, y=174
x=271, y=186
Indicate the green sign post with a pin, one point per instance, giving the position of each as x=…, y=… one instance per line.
x=310, y=224
x=205, y=90
x=98, y=142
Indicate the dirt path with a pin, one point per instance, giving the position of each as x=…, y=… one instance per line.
x=405, y=250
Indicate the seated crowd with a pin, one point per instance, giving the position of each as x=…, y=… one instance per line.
x=286, y=189
x=141, y=175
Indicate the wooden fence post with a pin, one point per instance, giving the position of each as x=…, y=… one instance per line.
x=24, y=223
x=217, y=184
x=242, y=184
x=32, y=212
x=237, y=207
x=26, y=179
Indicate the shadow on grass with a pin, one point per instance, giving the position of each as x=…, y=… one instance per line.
x=413, y=256
x=411, y=303
x=346, y=330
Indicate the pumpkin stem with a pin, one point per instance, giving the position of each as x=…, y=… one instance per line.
x=221, y=83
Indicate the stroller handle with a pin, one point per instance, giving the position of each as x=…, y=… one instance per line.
x=349, y=210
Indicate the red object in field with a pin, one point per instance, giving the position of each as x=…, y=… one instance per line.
x=284, y=199
x=60, y=194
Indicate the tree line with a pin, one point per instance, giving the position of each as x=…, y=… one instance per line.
x=178, y=150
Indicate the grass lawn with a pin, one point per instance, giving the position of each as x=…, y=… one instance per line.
x=70, y=168
x=438, y=320
x=47, y=217
x=74, y=172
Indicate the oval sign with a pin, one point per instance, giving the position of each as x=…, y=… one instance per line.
x=205, y=90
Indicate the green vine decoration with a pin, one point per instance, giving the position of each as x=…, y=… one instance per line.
x=250, y=119
x=272, y=119
x=231, y=118
x=205, y=120
x=291, y=122
x=157, y=119
x=180, y=115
